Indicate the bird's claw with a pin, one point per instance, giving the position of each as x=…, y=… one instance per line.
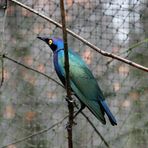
x=71, y=100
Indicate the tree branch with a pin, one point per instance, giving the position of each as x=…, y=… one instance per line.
x=27, y=67
x=2, y=71
x=2, y=44
x=66, y=64
x=95, y=129
x=35, y=134
x=104, y=53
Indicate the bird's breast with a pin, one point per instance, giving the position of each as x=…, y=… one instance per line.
x=57, y=67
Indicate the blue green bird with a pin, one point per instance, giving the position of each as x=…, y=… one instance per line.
x=82, y=81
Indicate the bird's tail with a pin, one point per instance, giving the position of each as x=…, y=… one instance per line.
x=108, y=112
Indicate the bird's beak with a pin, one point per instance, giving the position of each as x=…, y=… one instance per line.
x=41, y=38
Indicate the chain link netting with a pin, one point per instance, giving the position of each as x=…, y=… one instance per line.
x=30, y=102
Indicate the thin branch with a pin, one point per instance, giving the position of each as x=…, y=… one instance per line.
x=4, y=22
x=93, y=126
x=130, y=49
x=66, y=64
x=2, y=44
x=66, y=60
x=27, y=67
x=104, y=53
x=136, y=45
x=95, y=129
x=35, y=134
x=2, y=72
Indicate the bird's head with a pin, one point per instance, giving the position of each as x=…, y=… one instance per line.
x=54, y=43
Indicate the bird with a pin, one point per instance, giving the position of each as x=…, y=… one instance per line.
x=82, y=82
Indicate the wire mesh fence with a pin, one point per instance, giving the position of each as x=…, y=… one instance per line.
x=31, y=102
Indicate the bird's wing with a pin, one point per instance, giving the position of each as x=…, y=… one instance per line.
x=81, y=76
x=84, y=84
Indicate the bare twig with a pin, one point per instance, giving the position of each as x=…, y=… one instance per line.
x=68, y=89
x=104, y=53
x=27, y=67
x=2, y=71
x=3, y=27
x=95, y=129
x=136, y=45
x=2, y=44
x=35, y=134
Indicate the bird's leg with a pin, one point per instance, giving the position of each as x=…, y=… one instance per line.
x=71, y=100
x=79, y=111
x=82, y=107
x=74, y=103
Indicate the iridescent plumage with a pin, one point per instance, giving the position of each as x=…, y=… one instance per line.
x=82, y=81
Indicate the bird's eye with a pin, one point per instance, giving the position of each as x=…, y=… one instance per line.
x=50, y=42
